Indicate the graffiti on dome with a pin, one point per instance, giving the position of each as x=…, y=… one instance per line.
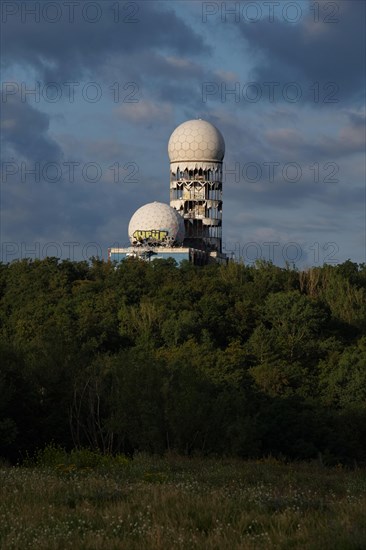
x=157, y=234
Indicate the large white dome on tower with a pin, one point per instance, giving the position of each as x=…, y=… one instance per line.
x=196, y=141
x=156, y=223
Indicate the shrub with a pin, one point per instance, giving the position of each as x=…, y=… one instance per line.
x=54, y=456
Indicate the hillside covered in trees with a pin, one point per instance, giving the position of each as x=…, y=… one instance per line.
x=236, y=360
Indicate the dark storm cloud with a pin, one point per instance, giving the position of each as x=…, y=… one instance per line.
x=293, y=188
x=255, y=141
x=42, y=212
x=349, y=140
x=25, y=131
x=310, y=52
x=69, y=49
x=173, y=78
x=306, y=168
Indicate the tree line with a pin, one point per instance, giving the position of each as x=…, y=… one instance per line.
x=147, y=356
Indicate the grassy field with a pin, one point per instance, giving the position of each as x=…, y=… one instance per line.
x=153, y=503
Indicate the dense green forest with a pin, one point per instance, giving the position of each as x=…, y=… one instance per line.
x=233, y=360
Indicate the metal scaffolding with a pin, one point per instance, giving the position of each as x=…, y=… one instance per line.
x=197, y=195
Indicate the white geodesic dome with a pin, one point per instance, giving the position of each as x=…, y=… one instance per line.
x=195, y=143
x=156, y=223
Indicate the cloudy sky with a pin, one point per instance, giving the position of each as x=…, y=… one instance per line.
x=91, y=92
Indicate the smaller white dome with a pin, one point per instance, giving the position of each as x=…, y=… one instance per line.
x=156, y=223
x=196, y=141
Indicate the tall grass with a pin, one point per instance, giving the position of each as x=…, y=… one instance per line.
x=175, y=502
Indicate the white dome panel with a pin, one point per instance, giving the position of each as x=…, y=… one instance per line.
x=156, y=223
x=205, y=142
